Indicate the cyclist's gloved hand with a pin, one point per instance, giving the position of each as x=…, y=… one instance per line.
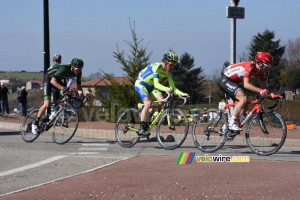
x=66, y=89
x=170, y=90
x=263, y=92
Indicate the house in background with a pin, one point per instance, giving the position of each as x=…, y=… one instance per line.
x=34, y=84
x=101, y=86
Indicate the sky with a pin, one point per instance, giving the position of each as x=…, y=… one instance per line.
x=92, y=30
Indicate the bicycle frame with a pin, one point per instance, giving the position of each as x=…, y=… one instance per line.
x=256, y=109
x=160, y=114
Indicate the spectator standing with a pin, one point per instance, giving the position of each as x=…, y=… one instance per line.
x=3, y=99
x=22, y=98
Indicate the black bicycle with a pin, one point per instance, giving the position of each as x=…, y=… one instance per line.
x=64, y=122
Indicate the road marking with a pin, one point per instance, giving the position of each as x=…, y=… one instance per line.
x=94, y=144
x=84, y=172
x=43, y=162
x=92, y=149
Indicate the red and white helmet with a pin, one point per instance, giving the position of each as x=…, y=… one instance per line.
x=264, y=57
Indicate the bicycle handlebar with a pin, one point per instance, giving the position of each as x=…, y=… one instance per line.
x=171, y=95
x=260, y=98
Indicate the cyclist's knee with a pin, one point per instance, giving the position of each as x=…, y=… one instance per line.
x=242, y=98
x=47, y=104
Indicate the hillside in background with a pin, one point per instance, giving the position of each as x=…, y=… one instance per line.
x=30, y=76
x=23, y=75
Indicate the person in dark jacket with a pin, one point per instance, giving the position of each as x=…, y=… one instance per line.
x=3, y=99
x=22, y=98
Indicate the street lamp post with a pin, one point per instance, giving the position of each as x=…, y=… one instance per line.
x=234, y=13
x=46, y=37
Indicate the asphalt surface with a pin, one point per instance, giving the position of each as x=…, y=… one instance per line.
x=159, y=177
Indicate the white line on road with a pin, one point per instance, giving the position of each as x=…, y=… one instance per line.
x=43, y=162
x=101, y=166
x=92, y=149
x=94, y=144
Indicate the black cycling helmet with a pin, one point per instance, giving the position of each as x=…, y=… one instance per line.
x=57, y=57
x=77, y=63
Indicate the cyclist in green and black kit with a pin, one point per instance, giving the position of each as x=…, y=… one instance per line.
x=148, y=87
x=51, y=79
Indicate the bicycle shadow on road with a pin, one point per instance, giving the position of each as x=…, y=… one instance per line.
x=10, y=133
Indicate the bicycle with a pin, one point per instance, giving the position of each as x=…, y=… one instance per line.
x=64, y=122
x=265, y=133
x=172, y=124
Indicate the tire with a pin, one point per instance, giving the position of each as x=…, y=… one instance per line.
x=27, y=135
x=126, y=127
x=266, y=143
x=170, y=139
x=207, y=132
x=65, y=125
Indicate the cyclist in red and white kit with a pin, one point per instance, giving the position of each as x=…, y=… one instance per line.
x=240, y=73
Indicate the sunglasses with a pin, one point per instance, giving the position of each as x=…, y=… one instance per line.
x=172, y=63
x=77, y=69
x=264, y=65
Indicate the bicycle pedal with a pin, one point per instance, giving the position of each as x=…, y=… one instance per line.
x=172, y=128
x=230, y=139
x=144, y=136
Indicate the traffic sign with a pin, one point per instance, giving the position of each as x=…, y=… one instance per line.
x=235, y=12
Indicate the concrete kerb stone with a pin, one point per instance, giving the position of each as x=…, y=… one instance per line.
x=11, y=126
x=110, y=134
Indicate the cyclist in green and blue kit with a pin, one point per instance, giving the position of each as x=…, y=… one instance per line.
x=148, y=87
x=52, y=79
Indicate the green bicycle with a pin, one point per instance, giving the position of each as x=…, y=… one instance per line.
x=172, y=125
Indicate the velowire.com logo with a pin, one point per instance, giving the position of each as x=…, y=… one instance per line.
x=187, y=158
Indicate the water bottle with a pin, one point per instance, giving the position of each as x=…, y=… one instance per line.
x=53, y=111
x=154, y=115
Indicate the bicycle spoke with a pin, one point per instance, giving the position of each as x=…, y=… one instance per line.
x=27, y=134
x=126, y=127
x=172, y=129
x=65, y=126
x=208, y=135
x=270, y=141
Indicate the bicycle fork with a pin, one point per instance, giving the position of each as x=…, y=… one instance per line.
x=170, y=120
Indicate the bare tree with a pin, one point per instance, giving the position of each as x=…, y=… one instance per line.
x=96, y=75
x=293, y=53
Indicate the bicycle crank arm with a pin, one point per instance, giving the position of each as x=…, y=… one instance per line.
x=172, y=128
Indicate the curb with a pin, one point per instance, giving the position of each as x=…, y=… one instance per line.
x=110, y=135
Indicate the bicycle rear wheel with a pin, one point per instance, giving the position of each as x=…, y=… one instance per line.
x=172, y=137
x=27, y=134
x=208, y=133
x=267, y=137
x=126, y=127
x=65, y=125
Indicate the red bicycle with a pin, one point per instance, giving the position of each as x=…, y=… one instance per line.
x=265, y=133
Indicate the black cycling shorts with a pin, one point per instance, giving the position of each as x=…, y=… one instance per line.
x=230, y=87
x=48, y=87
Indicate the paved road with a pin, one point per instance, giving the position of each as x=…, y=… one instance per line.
x=145, y=171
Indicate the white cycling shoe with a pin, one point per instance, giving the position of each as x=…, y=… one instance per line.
x=234, y=127
x=34, y=129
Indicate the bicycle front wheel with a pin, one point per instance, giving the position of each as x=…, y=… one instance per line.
x=208, y=131
x=27, y=134
x=65, y=125
x=126, y=127
x=172, y=129
x=267, y=136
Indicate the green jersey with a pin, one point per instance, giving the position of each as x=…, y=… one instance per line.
x=63, y=71
x=150, y=75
